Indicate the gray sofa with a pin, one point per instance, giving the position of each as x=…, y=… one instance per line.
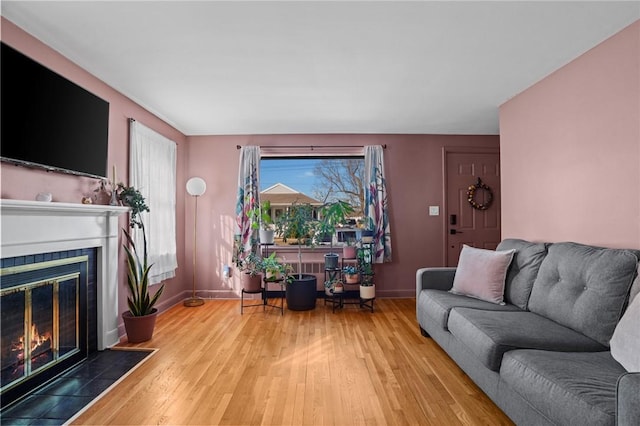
x=543, y=357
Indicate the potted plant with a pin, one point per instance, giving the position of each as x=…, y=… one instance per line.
x=333, y=286
x=140, y=319
x=297, y=224
x=349, y=251
x=367, y=287
x=251, y=268
x=274, y=269
x=332, y=215
x=351, y=274
x=261, y=220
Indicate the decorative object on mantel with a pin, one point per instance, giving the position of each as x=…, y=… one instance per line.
x=195, y=187
x=140, y=319
x=471, y=193
x=44, y=196
x=114, y=188
x=102, y=193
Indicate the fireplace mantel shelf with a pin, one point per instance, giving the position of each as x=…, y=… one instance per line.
x=33, y=227
x=57, y=208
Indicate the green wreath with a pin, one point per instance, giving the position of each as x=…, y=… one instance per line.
x=471, y=193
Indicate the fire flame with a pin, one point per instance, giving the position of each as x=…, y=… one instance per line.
x=37, y=340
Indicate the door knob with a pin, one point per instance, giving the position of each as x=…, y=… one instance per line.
x=454, y=232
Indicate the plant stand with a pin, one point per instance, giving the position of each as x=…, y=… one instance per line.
x=353, y=297
x=336, y=299
x=367, y=303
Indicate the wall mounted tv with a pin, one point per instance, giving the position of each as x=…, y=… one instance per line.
x=49, y=122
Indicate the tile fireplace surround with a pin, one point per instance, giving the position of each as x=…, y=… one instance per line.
x=32, y=227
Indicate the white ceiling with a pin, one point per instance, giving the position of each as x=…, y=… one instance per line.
x=322, y=67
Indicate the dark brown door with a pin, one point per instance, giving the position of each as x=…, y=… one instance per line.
x=466, y=224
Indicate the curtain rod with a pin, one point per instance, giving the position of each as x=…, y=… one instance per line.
x=311, y=147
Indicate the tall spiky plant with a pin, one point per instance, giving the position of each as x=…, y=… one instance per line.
x=139, y=300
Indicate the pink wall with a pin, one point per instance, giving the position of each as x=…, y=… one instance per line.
x=23, y=184
x=413, y=165
x=570, y=148
x=414, y=176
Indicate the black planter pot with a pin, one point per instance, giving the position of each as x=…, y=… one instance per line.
x=301, y=293
x=331, y=261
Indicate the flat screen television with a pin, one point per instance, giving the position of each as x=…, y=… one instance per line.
x=49, y=122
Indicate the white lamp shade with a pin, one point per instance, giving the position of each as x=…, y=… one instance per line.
x=196, y=186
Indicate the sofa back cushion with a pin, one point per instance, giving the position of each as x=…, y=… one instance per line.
x=584, y=288
x=523, y=270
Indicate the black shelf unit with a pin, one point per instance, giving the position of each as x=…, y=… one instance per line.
x=363, y=262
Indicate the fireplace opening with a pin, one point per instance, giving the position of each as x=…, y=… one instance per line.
x=44, y=322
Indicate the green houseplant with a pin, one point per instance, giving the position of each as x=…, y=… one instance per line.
x=297, y=224
x=261, y=220
x=332, y=215
x=139, y=320
x=274, y=269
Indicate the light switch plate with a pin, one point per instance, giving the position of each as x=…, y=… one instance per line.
x=434, y=210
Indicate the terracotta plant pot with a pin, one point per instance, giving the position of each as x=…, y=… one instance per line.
x=351, y=278
x=251, y=283
x=349, y=252
x=139, y=329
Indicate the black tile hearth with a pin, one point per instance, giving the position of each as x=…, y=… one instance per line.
x=61, y=399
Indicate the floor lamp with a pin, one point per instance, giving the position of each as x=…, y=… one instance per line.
x=195, y=187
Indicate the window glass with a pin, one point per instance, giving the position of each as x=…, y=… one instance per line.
x=316, y=181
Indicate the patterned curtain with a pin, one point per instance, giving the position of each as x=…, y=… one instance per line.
x=246, y=238
x=376, y=209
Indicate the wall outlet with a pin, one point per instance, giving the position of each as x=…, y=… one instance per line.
x=226, y=271
x=434, y=210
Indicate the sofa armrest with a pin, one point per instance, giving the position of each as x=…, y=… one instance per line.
x=434, y=278
x=628, y=400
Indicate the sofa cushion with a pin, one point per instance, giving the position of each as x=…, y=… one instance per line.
x=625, y=343
x=482, y=273
x=438, y=303
x=490, y=334
x=584, y=287
x=523, y=270
x=568, y=388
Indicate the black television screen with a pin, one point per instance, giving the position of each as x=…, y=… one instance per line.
x=48, y=121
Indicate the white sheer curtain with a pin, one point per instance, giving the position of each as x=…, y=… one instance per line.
x=152, y=171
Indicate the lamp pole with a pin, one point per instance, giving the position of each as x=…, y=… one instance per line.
x=195, y=187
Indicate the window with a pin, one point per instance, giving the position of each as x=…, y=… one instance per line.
x=153, y=173
x=285, y=181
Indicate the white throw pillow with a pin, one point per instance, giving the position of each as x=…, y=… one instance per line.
x=482, y=273
x=625, y=343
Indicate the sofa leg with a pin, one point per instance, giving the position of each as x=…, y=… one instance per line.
x=424, y=333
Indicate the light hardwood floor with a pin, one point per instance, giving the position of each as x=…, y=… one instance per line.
x=215, y=366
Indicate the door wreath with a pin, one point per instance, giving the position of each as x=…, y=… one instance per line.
x=471, y=193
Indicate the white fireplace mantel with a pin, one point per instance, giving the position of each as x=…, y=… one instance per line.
x=33, y=227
